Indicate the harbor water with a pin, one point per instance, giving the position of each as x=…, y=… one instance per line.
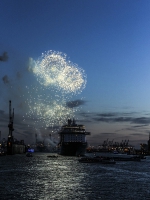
x=43, y=178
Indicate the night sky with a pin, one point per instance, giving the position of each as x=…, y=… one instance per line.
x=107, y=41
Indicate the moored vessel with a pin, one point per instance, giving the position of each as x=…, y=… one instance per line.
x=73, y=139
x=97, y=159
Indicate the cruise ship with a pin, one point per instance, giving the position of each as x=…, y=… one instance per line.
x=73, y=139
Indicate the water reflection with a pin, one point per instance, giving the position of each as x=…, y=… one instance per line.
x=40, y=177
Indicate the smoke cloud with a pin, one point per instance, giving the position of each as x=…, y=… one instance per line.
x=4, y=57
x=5, y=79
x=76, y=103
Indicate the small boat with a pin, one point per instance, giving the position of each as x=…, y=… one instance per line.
x=132, y=158
x=52, y=156
x=115, y=152
x=97, y=159
x=110, y=161
x=89, y=160
x=142, y=156
x=29, y=154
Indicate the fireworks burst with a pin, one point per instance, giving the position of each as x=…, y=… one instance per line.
x=58, y=79
x=54, y=70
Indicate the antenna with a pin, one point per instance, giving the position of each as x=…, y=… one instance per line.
x=9, y=111
x=13, y=114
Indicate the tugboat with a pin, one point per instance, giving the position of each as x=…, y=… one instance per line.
x=97, y=159
x=29, y=154
x=73, y=139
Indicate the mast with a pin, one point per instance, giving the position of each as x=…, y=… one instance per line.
x=10, y=140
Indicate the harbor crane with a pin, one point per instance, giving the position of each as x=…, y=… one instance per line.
x=10, y=140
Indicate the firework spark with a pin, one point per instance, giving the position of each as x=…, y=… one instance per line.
x=58, y=79
x=54, y=70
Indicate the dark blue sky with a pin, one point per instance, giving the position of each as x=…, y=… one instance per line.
x=108, y=39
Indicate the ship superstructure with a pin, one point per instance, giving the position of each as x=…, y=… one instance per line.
x=73, y=139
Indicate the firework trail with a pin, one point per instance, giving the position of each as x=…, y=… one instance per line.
x=58, y=79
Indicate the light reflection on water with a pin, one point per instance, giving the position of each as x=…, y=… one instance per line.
x=43, y=178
